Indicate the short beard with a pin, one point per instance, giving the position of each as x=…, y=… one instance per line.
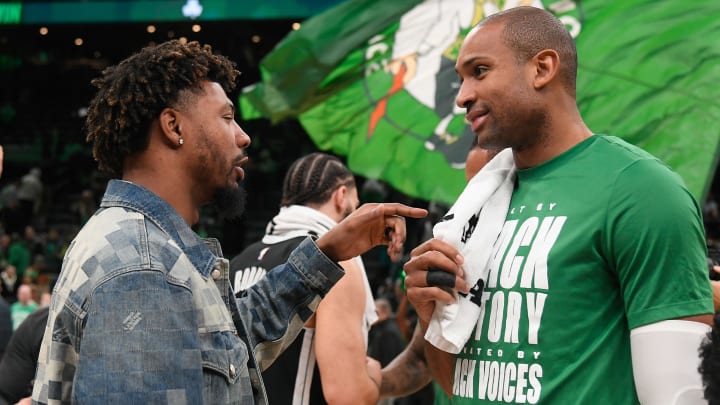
x=519, y=136
x=347, y=211
x=230, y=202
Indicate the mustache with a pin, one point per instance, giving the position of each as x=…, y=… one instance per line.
x=240, y=159
x=241, y=156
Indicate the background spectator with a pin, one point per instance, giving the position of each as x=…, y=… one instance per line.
x=24, y=306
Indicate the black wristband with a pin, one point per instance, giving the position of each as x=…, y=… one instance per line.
x=440, y=278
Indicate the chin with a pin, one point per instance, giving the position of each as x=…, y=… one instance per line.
x=492, y=141
x=230, y=201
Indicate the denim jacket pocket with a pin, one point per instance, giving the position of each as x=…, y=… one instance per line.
x=225, y=372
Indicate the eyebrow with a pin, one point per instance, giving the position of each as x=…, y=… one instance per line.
x=470, y=61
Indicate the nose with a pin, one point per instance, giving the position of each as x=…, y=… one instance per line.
x=241, y=138
x=465, y=97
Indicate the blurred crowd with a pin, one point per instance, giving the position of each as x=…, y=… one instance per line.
x=31, y=244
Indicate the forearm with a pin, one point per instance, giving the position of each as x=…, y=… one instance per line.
x=363, y=390
x=440, y=364
x=346, y=375
x=408, y=372
x=677, y=342
x=401, y=317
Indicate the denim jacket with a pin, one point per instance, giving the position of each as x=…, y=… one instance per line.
x=143, y=312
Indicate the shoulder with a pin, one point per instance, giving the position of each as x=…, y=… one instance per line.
x=110, y=240
x=116, y=241
x=634, y=171
x=652, y=181
x=351, y=287
x=618, y=154
x=111, y=224
x=118, y=237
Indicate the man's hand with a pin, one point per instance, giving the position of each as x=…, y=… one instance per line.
x=369, y=226
x=716, y=289
x=423, y=289
x=373, y=369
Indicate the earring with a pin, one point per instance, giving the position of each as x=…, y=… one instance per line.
x=180, y=141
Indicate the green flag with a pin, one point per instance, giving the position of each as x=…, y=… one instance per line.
x=384, y=97
x=648, y=73
x=295, y=73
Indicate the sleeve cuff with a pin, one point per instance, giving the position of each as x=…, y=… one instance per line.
x=321, y=272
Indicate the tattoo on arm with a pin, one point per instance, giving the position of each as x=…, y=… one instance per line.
x=408, y=372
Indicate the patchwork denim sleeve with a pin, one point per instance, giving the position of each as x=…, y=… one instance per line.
x=275, y=309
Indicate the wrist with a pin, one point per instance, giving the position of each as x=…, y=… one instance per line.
x=326, y=247
x=377, y=383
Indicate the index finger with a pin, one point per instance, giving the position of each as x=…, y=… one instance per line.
x=403, y=210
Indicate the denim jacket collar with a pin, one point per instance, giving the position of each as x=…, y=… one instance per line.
x=202, y=253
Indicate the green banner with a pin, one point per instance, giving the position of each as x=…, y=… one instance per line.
x=311, y=64
x=649, y=73
x=382, y=91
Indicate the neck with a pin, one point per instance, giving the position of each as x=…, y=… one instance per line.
x=155, y=179
x=328, y=208
x=565, y=129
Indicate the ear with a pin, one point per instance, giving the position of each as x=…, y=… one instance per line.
x=170, y=126
x=338, y=198
x=547, y=66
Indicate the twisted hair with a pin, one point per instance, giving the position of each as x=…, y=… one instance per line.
x=529, y=30
x=313, y=178
x=133, y=93
x=710, y=363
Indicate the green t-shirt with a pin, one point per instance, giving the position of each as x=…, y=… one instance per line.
x=597, y=241
x=19, y=256
x=18, y=312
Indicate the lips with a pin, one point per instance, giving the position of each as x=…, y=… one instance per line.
x=476, y=118
x=239, y=171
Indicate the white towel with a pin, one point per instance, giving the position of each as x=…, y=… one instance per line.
x=488, y=193
x=296, y=220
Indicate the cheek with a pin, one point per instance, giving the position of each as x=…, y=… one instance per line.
x=350, y=206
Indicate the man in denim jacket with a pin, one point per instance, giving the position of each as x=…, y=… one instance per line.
x=143, y=311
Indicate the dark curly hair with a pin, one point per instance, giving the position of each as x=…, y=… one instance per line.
x=710, y=363
x=313, y=178
x=132, y=94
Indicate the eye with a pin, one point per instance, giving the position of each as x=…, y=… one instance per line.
x=479, y=70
